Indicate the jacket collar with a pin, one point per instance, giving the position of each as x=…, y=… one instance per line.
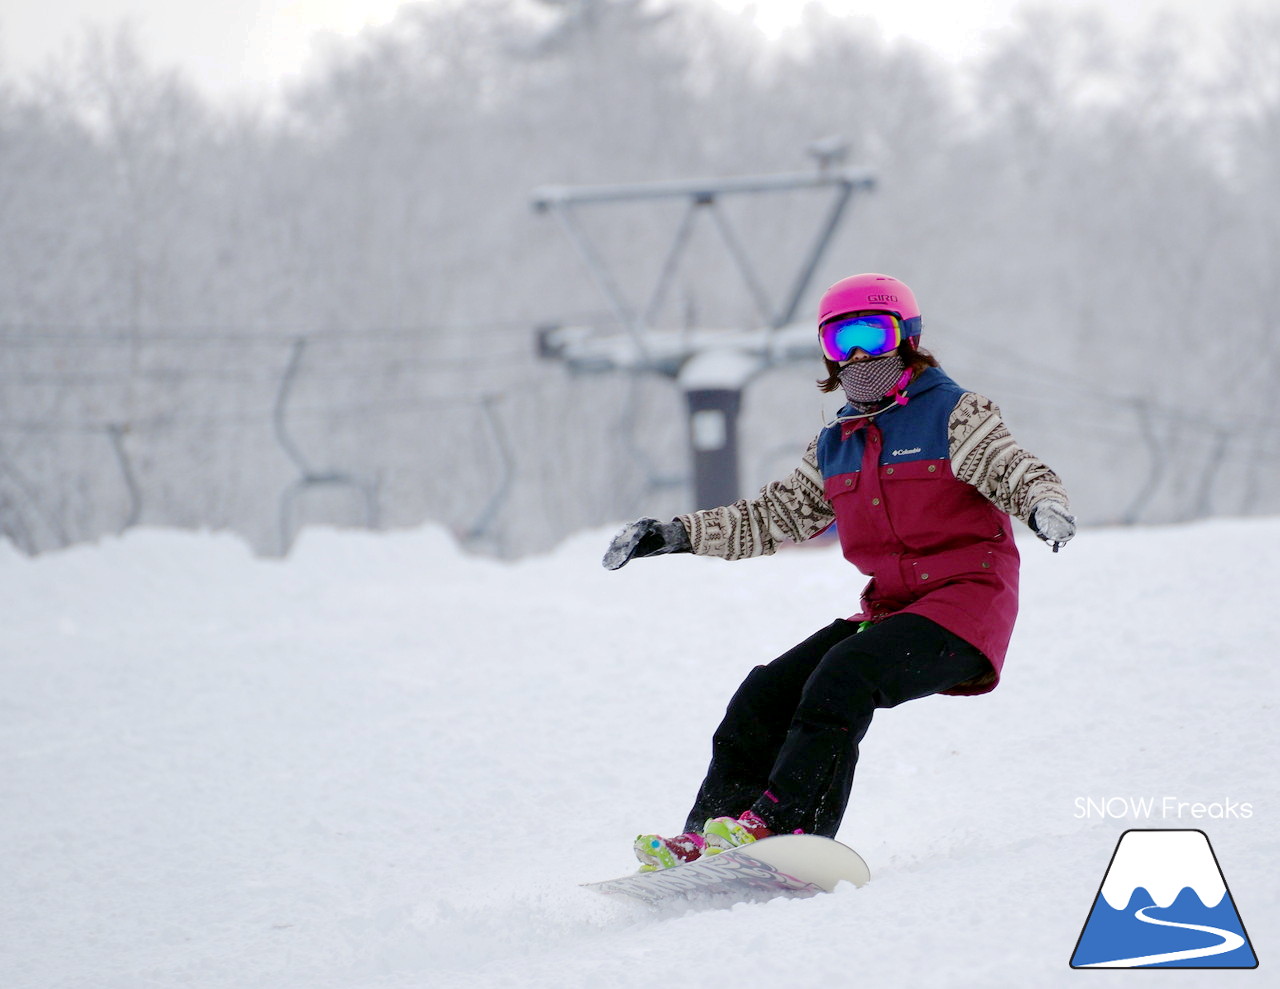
x=927, y=379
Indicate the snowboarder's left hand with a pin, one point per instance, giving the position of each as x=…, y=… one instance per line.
x=646, y=537
x=1051, y=521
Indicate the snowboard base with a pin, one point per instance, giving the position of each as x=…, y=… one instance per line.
x=795, y=865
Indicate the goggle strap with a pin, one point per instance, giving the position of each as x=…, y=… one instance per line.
x=910, y=326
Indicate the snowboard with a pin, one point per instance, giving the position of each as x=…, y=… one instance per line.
x=794, y=865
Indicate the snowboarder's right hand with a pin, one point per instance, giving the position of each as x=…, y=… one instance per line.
x=646, y=537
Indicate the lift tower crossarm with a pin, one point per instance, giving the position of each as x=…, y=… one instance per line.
x=544, y=197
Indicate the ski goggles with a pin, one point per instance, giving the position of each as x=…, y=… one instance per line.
x=874, y=333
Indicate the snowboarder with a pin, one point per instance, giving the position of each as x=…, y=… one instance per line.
x=920, y=478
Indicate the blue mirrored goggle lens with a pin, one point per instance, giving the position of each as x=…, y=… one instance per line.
x=873, y=333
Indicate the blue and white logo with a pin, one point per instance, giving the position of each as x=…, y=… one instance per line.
x=1164, y=903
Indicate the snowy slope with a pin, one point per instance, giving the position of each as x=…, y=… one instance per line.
x=382, y=763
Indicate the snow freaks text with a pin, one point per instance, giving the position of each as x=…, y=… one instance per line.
x=1164, y=808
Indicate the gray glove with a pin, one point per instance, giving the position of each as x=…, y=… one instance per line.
x=1051, y=521
x=646, y=537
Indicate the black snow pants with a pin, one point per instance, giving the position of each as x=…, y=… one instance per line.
x=788, y=744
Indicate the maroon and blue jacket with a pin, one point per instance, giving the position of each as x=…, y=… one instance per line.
x=921, y=495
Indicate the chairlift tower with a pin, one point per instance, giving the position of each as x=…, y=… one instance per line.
x=711, y=366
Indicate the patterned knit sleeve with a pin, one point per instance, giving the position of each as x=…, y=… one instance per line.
x=795, y=509
x=985, y=454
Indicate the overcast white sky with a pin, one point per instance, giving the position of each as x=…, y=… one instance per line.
x=249, y=46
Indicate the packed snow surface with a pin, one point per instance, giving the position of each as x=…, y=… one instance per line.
x=384, y=763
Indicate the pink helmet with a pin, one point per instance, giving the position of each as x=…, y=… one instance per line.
x=871, y=291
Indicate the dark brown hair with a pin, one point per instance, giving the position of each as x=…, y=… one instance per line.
x=915, y=359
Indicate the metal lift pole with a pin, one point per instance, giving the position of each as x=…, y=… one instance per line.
x=712, y=367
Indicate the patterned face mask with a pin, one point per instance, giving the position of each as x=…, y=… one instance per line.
x=867, y=382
